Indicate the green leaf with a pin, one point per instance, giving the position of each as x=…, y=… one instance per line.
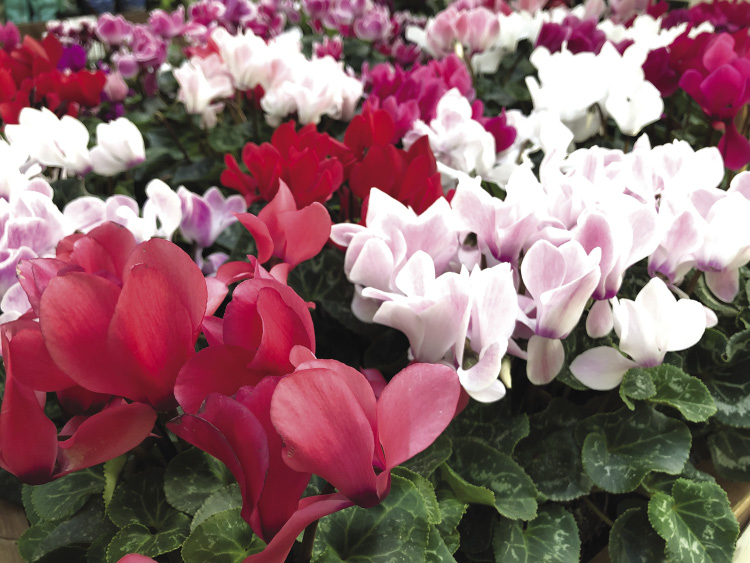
x=451, y=509
x=395, y=531
x=550, y=454
x=738, y=346
x=620, y=448
x=550, y=537
x=28, y=506
x=730, y=453
x=499, y=430
x=633, y=539
x=675, y=388
x=465, y=491
x=426, y=462
x=637, y=384
x=696, y=521
x=97, y=551
x=224, y=499
x=513, y=492
x=229, y=138
x=141, y=501
x=192, y=477
x=731, y=394
x=137, y=538
x=425, y=488
x=46, y=536
x=223, y=538
x=662, y=482
x=65, y=496
x=437, y=551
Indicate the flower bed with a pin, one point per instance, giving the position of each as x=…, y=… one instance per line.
x=344, y=281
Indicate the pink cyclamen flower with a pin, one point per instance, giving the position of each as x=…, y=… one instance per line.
x=332, y=425
x=281, y=231
x=113, y=30
x=560, y=280
x=649, y=327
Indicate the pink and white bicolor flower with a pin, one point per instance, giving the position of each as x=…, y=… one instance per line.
x=560, y=280
x=649, y=327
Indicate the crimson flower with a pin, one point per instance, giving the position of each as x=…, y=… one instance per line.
x=410, y=177
x=307, y=161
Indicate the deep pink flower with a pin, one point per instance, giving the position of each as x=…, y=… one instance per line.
x=283, y=232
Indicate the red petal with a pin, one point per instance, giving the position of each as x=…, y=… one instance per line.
x=105, y=249
x=183, y=275
x=283, y=486
x=213, y=329
x=74, y=315
x=104, y=436
x=217, y=291
x=326, y=430
x=232, y=434
x=216, y=369
x=28, y=439
x=34, y=366
x=734, y=148
x=309, y=510
x=34, y=275
x=244, y=323
x=151, y=336
x=414, y=409
x=259, y=230
x=306, y=232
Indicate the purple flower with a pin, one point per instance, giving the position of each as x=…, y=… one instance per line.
x=205, y=217
x=73, y=58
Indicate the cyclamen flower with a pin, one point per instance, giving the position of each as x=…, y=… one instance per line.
x=202, y=82
x=560, y=281
x=457, y=140
x=119, y=147
x=86, y=213
x=205, y=217
x=377, y=435
x=649, y=327
x=476, y=29
x=52, y=141
x=394, y=233
x=282, y=231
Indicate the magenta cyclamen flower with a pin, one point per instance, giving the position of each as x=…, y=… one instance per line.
x=113, y=30
x=722, y=88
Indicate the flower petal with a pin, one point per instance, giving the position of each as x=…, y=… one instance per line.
x=601, y=368
x=414, y=409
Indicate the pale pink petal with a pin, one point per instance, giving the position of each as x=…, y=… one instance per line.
x=546, y=358
x=599, y=322
x=601, y=368
x=725, y=284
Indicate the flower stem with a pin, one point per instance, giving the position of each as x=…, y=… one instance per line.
x=603, y=517
x=308, y=539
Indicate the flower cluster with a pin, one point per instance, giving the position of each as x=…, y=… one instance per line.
x=463, y=279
